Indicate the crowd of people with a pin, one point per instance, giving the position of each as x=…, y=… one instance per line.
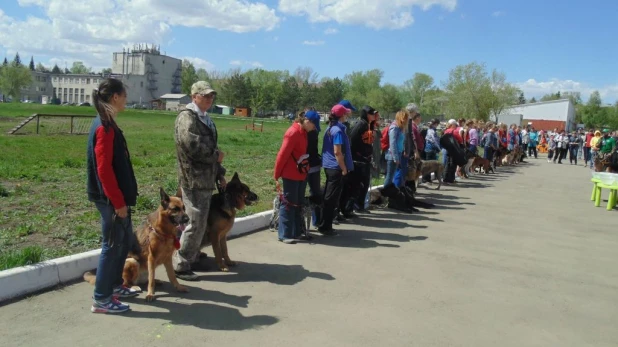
x=350, y=155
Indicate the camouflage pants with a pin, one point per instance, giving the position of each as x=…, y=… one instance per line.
x=197, y=205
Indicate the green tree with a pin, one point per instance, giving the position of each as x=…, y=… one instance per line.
x=417, y=87
x=435, y=103
x=237, y=90
x=360, y=84
x=593, y=115
x=78, y=67
x=6, y=62
x=41, y=68
x=550, y=97
x=305, y=74
x=532, y=101
x=188, y=76
x=522, y=99
x=289, y=98
x=13, y=79
x=56, y=69
x=17, y=60
x=503, y=94
x=330, y=93
x=389, y=100
x=308, y=95
x=31, y=66
x=469, y=92
x=106, y=71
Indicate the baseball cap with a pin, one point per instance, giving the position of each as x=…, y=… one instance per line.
x=201, y=87
x=347, y=104
x=339, y=111
x=452, y=121
x=314, y=117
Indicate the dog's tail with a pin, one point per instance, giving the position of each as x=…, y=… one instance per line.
x=90, y=277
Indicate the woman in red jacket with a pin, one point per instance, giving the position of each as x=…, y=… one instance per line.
x=292, y=166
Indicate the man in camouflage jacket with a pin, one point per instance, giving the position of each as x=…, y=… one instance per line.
x=199, y=167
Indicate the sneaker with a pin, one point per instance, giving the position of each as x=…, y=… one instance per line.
x=113, y=306
x=288, y=241
x=327, y=232
x=187, y=275
x=124, y=292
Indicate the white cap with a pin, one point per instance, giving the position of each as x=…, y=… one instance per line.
x=452, y=121
x=411, y=107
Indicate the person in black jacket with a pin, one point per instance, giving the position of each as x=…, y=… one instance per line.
x=362, y=137
x=315, y=162
x=112, y=187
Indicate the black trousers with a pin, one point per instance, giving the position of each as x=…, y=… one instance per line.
x=332, y=196
x=449, y=171
x=532, y=150
x=358, y=184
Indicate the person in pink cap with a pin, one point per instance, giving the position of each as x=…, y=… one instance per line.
x=337, y=162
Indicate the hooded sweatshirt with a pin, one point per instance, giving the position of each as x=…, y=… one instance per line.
x=362, y=136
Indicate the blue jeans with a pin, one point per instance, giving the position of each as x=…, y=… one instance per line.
x=290, y=215
x=313, y=179
x=473, y=149
x=111, y=261
x=391, y=167
x=402, y=172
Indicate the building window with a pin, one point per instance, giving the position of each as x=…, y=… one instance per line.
x=87, y=80
x=54, y=92
x=43, y=79
x=141, y=84
x=87, y=98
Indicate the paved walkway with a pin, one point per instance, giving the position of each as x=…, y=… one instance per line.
x=520, y=258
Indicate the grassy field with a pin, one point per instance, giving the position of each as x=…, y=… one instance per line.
x=43, y=204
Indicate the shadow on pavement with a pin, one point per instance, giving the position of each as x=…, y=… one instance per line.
x=287, y=275
x=367, y=239
x=203, y=315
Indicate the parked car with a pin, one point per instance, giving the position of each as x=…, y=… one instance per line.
x=84, y=104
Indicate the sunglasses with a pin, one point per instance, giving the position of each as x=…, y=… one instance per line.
x=208, y=96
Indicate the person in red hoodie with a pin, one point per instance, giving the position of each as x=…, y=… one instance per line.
x=292, y=165
x=111, y=185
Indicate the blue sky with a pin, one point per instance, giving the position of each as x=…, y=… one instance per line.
x=543, y=46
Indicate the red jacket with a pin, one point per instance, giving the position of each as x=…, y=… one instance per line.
x=294, y=144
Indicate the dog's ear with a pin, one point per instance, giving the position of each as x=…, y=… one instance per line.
x=165, y=199
x=179, y=193
x=235, y=177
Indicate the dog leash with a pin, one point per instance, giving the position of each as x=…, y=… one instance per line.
x=112, y=231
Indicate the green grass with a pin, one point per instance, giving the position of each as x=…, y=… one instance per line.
x=25, y=256
x=43, y=200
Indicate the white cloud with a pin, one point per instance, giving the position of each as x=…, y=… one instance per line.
x=373, y=14
x=534, y=88
x=331, y=31
x=255, y=64
x=91, y=30
x=276, y=38
x=200, y=63
x=498, y=13
x=313, y=43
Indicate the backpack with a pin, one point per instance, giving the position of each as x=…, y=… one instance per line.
x=384, y=141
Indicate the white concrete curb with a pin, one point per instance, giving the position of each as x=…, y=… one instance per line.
x=25, y=280
x=21, y=281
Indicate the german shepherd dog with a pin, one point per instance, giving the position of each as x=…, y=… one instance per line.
x=431, y=166
x=157, y=240
x=481, y=163
x=223, y=208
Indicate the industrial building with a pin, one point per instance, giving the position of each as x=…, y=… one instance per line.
x=146, y=73
x=546, y=115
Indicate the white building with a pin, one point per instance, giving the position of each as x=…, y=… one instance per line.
x=545, y=115
x=173, y=102
x=145, y=72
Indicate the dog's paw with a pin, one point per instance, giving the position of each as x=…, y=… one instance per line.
x=224, y=268
x=230, y=263
x=150, y=297
x=182, y=289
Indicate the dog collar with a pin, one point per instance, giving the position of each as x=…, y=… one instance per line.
x=175, y=238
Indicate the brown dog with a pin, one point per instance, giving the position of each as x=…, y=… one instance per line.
x=221, y=216
x=481, y=163
x=157, y=239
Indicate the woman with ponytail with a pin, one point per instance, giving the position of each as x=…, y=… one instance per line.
x=112, y=188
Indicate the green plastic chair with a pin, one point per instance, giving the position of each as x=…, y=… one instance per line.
x=594, y=181
x=611, y=201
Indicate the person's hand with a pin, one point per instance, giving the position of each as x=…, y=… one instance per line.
x=221, y=155
x=277, y=185
x=416, y=156
x=344, y=172
x=222, y=183
x=122, y=212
